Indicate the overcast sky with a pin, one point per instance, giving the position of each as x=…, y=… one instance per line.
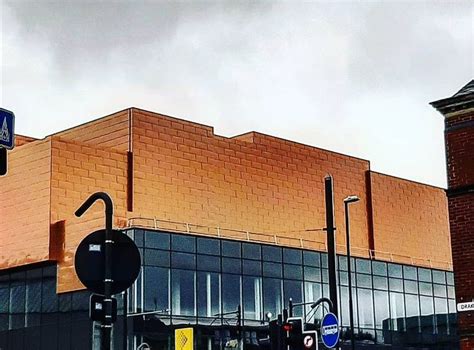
x=353, y=77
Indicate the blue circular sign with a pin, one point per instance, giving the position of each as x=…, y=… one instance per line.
x=330, y=330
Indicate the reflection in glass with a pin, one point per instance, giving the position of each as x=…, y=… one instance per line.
x=426, y=311
x=182, y=292
x=230, y=293
x=156, y=288
x=208, y=294
x=231, y=249
x=292, y=256
x=382, y=311
x=272, y=296
x=312, y=292
x=183, y=243
x=155, y=239
x=397, y=311
x=365, y=304
x=208, y=246
x=412, y=313
x=270, y=253
x=252, y=295
x=293, y=290
x=251, y=251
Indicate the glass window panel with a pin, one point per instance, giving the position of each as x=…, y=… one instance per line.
x=230, y=293
x=208, y=246
x=312, y=274
x=363, y=266
x=397, y=311
x=293, y=271
x=251, y=251
x=439, y=290
x=182, y=292
x=441, y=311
x=33, y=303
x=451, y=293
x=183, y=260
x=427, y=311
x=231, y=249
x=452, y=306
x=379, y=268
x=270, y=253
x=380, y=282
x=396, y=285
x=49, y=296
x=426, y=288
x=4, y=308
x=412, y=313
x=409, y=272
x=156, y=288
x=138, y=238
x=439, y=277
x=325, y=275
x=272, y=269
x=424, y=275
x=343, y=279
x=366, y=312
x=252, y=295
x=183, y=243
x=252, y=267
x=17, y=306
x=364, y=281
x=18, y=278
x=293, y=290
x=292, y=256
x=450, y=278
x=411, y=287
x=324, y=260
x=382, y=311
x=311, y=258
x=208, y=263
x=157, y=257
x=312, y=292
x=209, y=301
x=395, y=270
x=231, y=265
x=157, y=240
x=342, y=263
x=344, y=301
x=272, y=296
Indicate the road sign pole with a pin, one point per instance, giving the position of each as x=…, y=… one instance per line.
x=109, y=212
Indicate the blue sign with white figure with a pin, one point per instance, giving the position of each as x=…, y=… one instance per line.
x=330, y=330
x=7, y=123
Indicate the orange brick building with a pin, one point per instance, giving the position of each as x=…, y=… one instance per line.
x=179, y=176
x=155, y=166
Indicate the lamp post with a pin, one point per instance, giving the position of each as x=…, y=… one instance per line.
x=347, y=201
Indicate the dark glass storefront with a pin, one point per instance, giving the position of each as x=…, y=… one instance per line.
x=201, y=281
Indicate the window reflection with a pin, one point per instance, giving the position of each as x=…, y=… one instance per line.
x=182, y=289
x=156, y=288
x=365, y=304
x=293, y=290
x=252, y=295
x=208, y=294
x=382, y=311
x=272, y=296
x=230, y=293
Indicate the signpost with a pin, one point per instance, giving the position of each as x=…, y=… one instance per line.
x=101, y=264
x=7, y=137
x=330, y=330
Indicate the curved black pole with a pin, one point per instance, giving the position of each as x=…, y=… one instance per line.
x=109, y=212
x=323, y=300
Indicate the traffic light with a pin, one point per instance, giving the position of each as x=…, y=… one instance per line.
x=277, y=335
x=296, y=338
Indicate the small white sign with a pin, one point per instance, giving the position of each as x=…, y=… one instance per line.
x=466, y=306
x=308, y=341
x=94, y=248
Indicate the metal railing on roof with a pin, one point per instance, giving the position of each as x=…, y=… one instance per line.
x=279, y=238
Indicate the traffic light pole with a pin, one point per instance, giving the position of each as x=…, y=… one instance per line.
x=109, y=212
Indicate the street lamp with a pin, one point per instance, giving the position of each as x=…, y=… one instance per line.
x=347, y=201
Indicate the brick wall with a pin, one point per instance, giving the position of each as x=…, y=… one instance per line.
x=254, y=182
x=410, y=221
x=21, y=140
x=459, y=138
x=78, y=170
x=25, y=204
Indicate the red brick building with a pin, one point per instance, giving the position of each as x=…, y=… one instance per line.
x=458, y=111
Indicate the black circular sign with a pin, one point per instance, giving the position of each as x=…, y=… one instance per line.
x=90, y=259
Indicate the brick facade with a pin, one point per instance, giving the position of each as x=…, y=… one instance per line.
x=156, y=166
x=459, y=139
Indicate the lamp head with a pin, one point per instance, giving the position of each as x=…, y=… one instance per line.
x=351, y=199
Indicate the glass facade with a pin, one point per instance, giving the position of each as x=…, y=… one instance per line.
x=202, y=281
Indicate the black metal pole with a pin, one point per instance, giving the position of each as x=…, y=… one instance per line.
x=125, y=323
x=290, y=307
x=349, y=272
x=330, y=229
x=109, y=212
